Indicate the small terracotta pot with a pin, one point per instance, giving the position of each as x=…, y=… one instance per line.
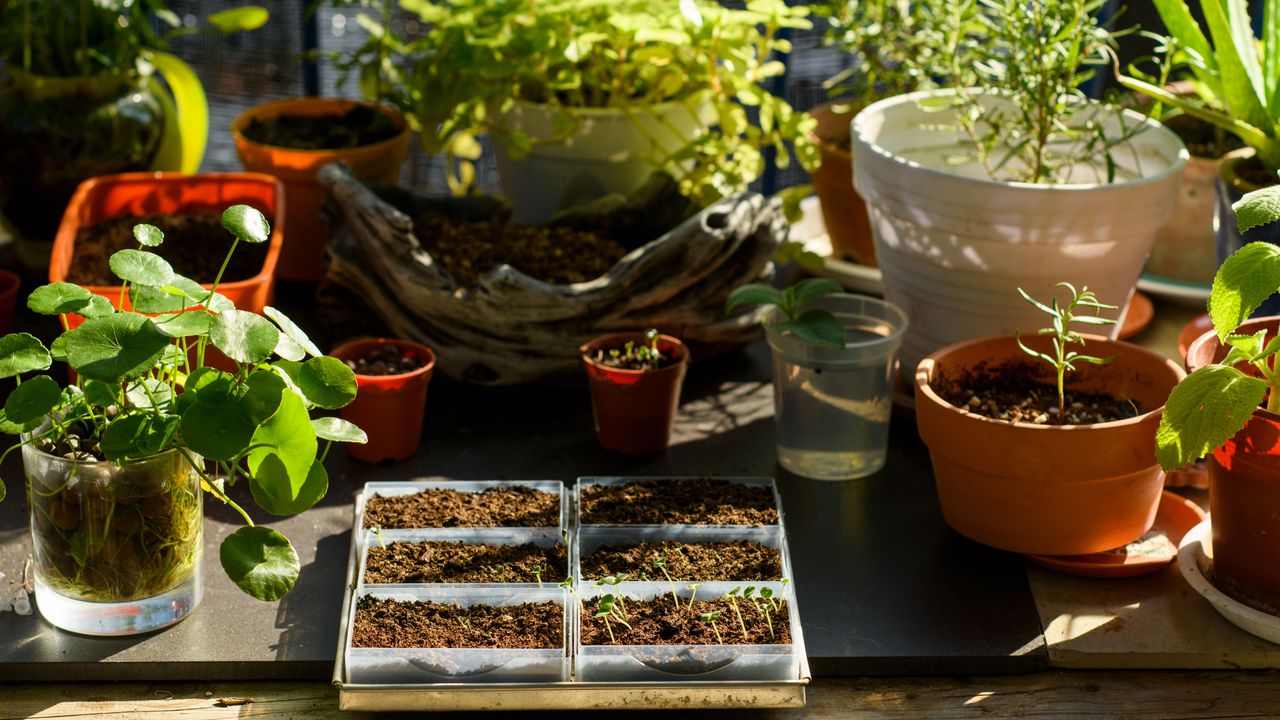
x=634, y=409
x=9, y=284
x=1047, y=489
x=303, y=256
x=843, y=210
x=1244, y=492
x=389, y=408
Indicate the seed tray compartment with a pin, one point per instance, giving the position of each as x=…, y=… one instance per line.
x=584, y=482
x=411, y=487
x=542, y=537
x=592, y=537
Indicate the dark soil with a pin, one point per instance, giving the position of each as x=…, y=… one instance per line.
x=509, y=506
x=1252, y=171
x=626, y=357
x=195, y=244
x=395, y=624
x=658, y=622
x=387, y=359
x=1026, y=392
x=703, y=561
x=701, y=501
x=358, y=126
x=555, y=255
x=1203, y=140
x=446, y=562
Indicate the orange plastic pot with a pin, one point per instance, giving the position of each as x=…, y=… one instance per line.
x=634, y=409
x=389, y=408
x=1244, y=492
x=843, y=210
x=1047, y=489
x=303, y=256
x=131, y=194
x=9, y=284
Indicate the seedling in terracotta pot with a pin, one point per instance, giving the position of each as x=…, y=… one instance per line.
x=634, y=355
x=815, y=325
x=635, y=381
x=1063, y=360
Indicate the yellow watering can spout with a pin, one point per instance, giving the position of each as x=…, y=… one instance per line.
x=186, y=115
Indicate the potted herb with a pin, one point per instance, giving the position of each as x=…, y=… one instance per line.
x=590, y=98
x=116, y=461
x=635, y=389
x=1228, y=409
x=834, y=361
x=80, y=97
x=1023, y=463
x=1020, y=179
x=393, y=376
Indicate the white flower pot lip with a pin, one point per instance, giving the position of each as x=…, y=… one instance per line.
x=654, y=108
x=858, y=129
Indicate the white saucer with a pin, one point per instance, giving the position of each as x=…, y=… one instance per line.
x=1195, y=560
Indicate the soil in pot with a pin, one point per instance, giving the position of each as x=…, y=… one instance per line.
x=700, y=501
x=395, y=624
x=510, y=506
x=623, y=358
x=446, y=562
x=555, y=255
x=361, y=125
x=1203, y=139
x=195, y=245
x=659, y=622
x=1252, y=172
x=387, y=359
x=706, y=561
x=1024, y=392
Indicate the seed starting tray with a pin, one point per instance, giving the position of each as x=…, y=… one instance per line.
x=574, y=676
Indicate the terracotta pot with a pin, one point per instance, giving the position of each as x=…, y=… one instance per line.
x=843, y=210
x=130, y=194
x=1244, y=492
x=389, y=408
x=9, y=284
x=303, y=257
x=1047, y=489
x=634, y=409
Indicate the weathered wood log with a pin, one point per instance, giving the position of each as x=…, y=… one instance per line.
x=510, y=328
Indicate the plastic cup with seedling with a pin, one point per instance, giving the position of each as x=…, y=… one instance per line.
x=712, y=617
x=661, y=564
x=731, y=597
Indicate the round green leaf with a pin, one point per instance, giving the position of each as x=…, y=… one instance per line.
x=116, y=347
x=97, y=307
x=148, y=235
x=261, y=397
x=137, y=436
x=338, y=430
x=260, y=561
x=327, y=382
x=22, y=353
x=100, y=394
x=289, y=435
x=184, y=324
x=275, y=493
x=33, y=399
x=244, y=336
x=246, y=223
x=58, y=348
x=291, y=329
x=58, y=298
x=210, y=385
x=154, y=300
x=9, y=427
x=288, y=349
x=141, y=267
x=215, y=430
x=148, y=393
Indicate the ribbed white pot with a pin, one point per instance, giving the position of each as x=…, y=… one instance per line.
x=609, y=151
x=954, y=245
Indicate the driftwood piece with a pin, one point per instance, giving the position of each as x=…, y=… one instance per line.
x=511, y=328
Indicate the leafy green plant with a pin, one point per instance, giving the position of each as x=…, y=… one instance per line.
x=814, y=325
x=142, y=387
x=478, y=58
x=1063, y=360
x=1216, y=401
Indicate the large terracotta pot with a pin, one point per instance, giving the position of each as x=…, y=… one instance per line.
x=303, y=256
x=1047, y=489
x=389, y=408
x=634, y=410
x=1244, y=493
x=843, y=210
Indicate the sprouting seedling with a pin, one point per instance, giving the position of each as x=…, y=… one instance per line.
x=614, y=581
x=766, y=607
x=567, y=584
x=661, y=564
x=537, y=574
x=816, y=326
x=693, y=593
x=712, y=617
x=645, y=352
x=731, y=597
x=611, y=607
x=1063, y=360
x=377, y=531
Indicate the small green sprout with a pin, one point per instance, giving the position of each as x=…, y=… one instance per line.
x=815, y=326
x=661, y=564
x=537, y=574
x=731, y=597
x=1063, y=360
x=377, y=531
x=567, y=584
x=646, y=354
x=693, y=593
x=712, y=617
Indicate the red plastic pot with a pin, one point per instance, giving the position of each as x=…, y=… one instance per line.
x=389, y=408
x=634, y=409
x=1244, y=491
x=9, y=284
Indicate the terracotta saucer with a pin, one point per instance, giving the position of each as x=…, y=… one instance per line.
x=1138, y=317
x=1158, y=547
x=1192, y=330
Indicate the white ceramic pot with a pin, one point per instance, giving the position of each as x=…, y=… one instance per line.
x=954, y=245
x=607, y=151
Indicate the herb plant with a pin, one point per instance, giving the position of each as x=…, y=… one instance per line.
x=1216, y=401
x=815, y=325
x=142, y=387
x=1063, y=360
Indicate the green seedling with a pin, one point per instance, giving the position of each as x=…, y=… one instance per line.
x=712, y=617
x=814, y=325
x=731, y=597
x=567, y=584
x=766, y=607
x=693, y=593
x=537, y=574
x=377, y=531
x=611, y=606
x=661, y=564
x=614, y=581
x=1064, y=360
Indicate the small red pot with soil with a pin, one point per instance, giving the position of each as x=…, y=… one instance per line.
x=635, y=389
x=392, y=378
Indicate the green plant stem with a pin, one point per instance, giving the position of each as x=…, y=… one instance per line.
x=209, y=485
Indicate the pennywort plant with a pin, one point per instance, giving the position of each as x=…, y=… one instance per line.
x=1215, y=402
x=1063, y=360
x=142, y=387
x=814, y=325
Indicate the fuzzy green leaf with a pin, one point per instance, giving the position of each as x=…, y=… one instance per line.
x=33, y=399
x=148, y=235
x=338, y=430
x=292, y=331
x=816, y=326
x=244, y=336
x=260, y=561
x=246, y=223
x=1243, y=281
x=1204, y=411
x=58, y=298
x=141, y=267
x=22, y=353
x=753, y=294
x=274, y=492
x=116, y=347
x=1257, y=208
x=327, y=382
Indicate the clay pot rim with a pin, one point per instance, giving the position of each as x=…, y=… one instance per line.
x=1212, y=336
x=348, y=349
x=621, y=338
x=281, y=107
x=926, y=366
x=1227, y=169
